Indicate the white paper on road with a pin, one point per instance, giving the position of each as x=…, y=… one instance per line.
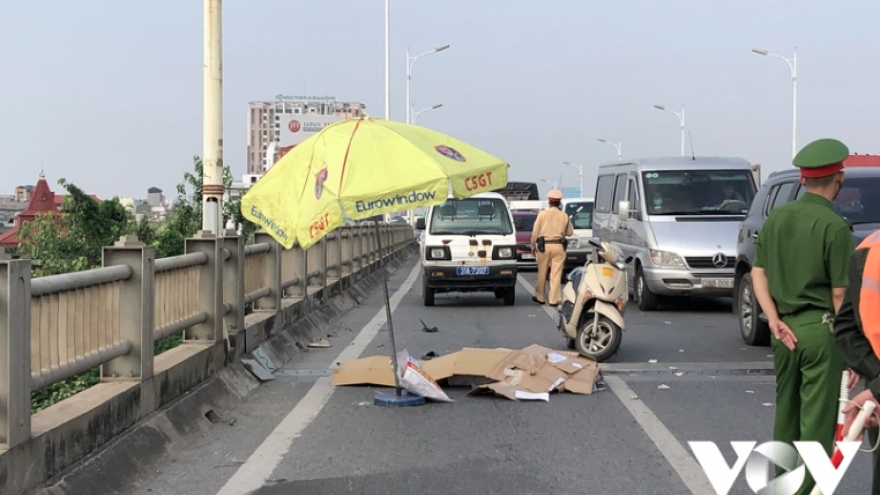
x=559, y=381
x=555, y=357
x=521, y=394
x=414, y=379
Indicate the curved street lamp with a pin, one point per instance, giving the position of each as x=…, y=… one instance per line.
x=792, y=64
x=617, y=146
x=416, y=114
x=409, y=64
x=680, y=120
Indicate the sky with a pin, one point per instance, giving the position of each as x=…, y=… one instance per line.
x=108, y=95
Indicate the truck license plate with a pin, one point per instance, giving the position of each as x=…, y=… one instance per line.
x=718, y=283
x=528, y=256
x=472, y=270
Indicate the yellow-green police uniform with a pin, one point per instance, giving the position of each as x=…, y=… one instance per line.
x=804, y=248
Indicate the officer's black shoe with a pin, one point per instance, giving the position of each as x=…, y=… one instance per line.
x=535, y=298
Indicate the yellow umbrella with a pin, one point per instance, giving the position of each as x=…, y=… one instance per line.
x=367, y=167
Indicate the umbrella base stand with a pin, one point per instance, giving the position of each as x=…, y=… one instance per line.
x=400, y=397
x=391, y=399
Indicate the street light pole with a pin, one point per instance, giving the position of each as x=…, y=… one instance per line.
x=792, y=65
x=580, y=169
x=212, y=130
x=680, y=121
x=617, y=146
x=387, y=62
x=409, y=63
x=416, y=114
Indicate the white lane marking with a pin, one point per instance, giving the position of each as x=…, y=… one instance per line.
x=687, y=468
x=674, y=452
x=262, y=463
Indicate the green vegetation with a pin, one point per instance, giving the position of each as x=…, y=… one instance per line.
x=73, y=241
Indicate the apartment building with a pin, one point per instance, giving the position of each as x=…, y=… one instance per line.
x=286, y=122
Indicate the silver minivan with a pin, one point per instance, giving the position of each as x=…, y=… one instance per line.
x=678, y=218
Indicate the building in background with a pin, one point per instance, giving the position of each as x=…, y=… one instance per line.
x=155, y=197
x=42, y=201
x=288, y=121
x=22, y=194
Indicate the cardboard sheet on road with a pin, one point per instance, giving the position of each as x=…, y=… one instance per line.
x=526, y=374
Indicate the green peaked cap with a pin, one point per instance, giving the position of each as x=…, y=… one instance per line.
x=821, y=153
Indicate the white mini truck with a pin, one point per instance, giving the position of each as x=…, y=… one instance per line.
x=469, y=245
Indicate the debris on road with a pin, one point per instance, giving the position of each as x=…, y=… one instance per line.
x=416, y=381
x=430, y=355
x=531, y=373
x=679, y=373
x=321, y=344
x=663, y=386
x=425, y=327
x=652, y=361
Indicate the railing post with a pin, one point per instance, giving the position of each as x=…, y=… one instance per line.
x=210, y=287
x=332, y=254
x=294, y=262
x=271, y=272
x=15, y=352
x=136, y=308
x=349, y=249
x=322, y=246
x=233, y=282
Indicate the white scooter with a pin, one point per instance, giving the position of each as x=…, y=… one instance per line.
x=594, y=301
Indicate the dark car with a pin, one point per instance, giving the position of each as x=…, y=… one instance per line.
x=858, y=202
x=523, y=222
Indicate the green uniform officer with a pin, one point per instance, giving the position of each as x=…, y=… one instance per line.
x=799, y=277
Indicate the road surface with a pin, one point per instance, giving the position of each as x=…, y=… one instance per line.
x=297, y=434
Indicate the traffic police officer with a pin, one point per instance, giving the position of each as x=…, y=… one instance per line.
x=857, y=332
x=548, y=237
x=799, y=277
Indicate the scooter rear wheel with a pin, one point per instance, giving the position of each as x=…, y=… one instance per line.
x=601, y=344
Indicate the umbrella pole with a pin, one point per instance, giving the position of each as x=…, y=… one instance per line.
x=394, y=364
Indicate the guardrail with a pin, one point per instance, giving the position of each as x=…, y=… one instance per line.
x=56, y=327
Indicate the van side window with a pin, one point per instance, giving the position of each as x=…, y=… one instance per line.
x=619, y=193
x=634, y=205
x=604, y=192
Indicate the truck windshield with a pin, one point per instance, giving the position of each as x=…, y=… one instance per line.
x=470, y=217
x=581, y=214
x=699, y=192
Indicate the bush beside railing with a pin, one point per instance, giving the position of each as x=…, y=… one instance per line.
x=56, y=327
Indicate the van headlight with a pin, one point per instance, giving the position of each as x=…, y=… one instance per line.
x=504, y=252
x=438, y=253
x=574, y=243
x=666, y=258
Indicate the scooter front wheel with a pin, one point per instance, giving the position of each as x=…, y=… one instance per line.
x=600, y=343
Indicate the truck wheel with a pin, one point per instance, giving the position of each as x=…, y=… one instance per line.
x=427, y=294
x=754, y=330
x=510, y=296
x=646, y=299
